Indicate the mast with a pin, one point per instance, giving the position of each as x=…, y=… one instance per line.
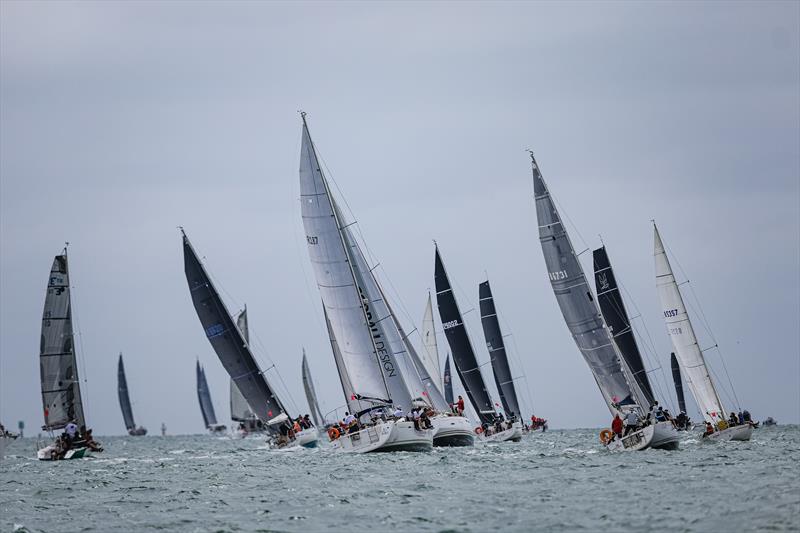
x=61, y=391
x=351, y=303
x=460, y=344
x=448, y=383
x=124, y=398
x=616, y=317
x=204, y=397
x=497, y=351
x=681, y=332
x=676, y=377
x=225, y=337
x=574, y=297
x=311, y=395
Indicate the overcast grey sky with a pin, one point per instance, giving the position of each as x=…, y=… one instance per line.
x=121, y=121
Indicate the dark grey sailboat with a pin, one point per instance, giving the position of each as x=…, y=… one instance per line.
x=448, y=383
x=497, y=352
x=125, y=402
x=676, y=377
x=206, y=405
x=311, y=395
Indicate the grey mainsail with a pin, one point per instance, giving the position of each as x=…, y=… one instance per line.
x=124, y=398
x=460, y=345
x=497, y=351
x=347, y=387
x=576, y=301
x=61, y=391
x=448, y=383
x=240, y=411
x=226, y=339
x=311, y=395
x=204, y=397
x=370, y=348
x=616, y=318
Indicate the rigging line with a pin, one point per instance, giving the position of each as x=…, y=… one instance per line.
x=81, y=357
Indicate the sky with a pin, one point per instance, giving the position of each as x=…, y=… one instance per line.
x=120, y=121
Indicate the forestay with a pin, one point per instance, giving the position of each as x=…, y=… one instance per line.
x=616, y=318
x=61, y=391
x=124, y=398
x=204, y=397
x=460, y=345
x=497, y=351
x=683, y=338
x=344, y=282
x=574, y=297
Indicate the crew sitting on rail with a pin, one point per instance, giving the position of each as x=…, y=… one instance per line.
x=733, y=421
x=398, y=412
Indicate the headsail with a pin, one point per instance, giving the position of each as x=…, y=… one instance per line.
x=350, y=296
x=576, y=301
x=448, y=383
x=430, y=353
x=676, y=377
x=311, y=395
x=460, y=345
x=683, y=338
x=616, y=317
x=240, y=410
x=226, y=339
x=61, y=391
x=497, y=351
x=124, y=398
x=204, y=397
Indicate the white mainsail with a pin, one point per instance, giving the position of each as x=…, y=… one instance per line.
x=430, y=352
x=681, y=332
x=348, y=297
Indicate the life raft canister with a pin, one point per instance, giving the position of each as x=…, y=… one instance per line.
x=478, y=430
x=606, y=435
x=333, y=433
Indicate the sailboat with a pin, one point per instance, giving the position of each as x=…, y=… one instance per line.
x=61, y=390
x=206, y=405
x=585, y=322
x=234, y=353
x=688, y=353
x=497, y=354
x=311, y=395
x=466, y=363
x=368, y=349
x=682, y=422
x=125, y=402
x=240, y=411
x=448, y=381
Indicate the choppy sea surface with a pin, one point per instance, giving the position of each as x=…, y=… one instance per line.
x=554, y=481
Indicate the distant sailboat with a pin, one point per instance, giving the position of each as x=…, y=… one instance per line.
x=240, y=410
x=585, y=322
x=206, y=405
x=368, y=349
x=687, y=350
x=682, y=420
x=466, y=363
x=234, y=353
x=125, y=402
x=61, y=390
x=311, y=395
x=448, y=382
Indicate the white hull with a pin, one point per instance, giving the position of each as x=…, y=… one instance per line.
x=662, y=435
x=514, y=434
x=386, y=437
x=743, y=432
x=46, y=453
x=452, y=431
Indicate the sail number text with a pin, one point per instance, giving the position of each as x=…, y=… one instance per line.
x=558, y=275
x=670, y=312
x=451, y=324
x=311, y=239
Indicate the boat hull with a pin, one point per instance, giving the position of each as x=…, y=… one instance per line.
x=513, y=434
x=308, y=438
x=661, y=436
x=45, y=454
x=390, y=436
x=452, y=431
x=743, y=432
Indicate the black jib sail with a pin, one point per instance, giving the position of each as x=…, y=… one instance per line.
x=204, y=397
x=497, y=351
x=676, y=377
x=226, y=339
x=460, y=345
x=613, y=309
x=448, y=383
x=124, y=398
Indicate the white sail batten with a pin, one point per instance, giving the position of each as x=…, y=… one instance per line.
x=684, y=340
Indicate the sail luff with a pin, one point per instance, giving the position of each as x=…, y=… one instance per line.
x=124, y=397
x=461, y=345
x=311, y=395
x=676, y=377
x=225, y=337
x=497, y=351
x=615, y=315
x=577, y=304
x=60, y=384
x=684, y=340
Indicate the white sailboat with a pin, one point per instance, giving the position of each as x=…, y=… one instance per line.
x=368, y=349
x=688, y=352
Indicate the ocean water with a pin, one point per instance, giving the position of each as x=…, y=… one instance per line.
x=556, y=481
